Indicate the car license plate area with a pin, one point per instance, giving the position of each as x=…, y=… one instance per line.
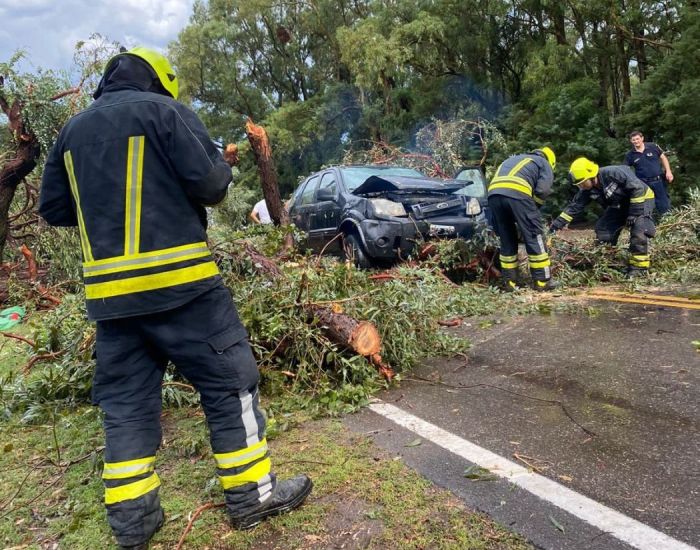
x=421, y=211
x=436, y=230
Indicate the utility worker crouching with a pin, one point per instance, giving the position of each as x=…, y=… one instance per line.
x=521, y=184
x=134, y=171
x=627, y=201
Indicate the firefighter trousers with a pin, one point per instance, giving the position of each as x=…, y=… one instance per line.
x=613, y=221
x=509, y=214
x=207, y=344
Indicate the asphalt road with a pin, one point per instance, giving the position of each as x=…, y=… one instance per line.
x=605, y=404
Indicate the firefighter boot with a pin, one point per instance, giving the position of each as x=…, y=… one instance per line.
x=286, y=496
x=636, y=272
x=509, y=279
x=145, y=545
x=544, y=286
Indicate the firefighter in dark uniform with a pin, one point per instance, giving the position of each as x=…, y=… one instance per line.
x=134, y=172
x=627, y=200
x=651, y=165
x=520, y=186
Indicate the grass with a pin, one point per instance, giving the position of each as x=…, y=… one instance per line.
x=362, y=496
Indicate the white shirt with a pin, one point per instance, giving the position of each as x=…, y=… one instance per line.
x=260, y=209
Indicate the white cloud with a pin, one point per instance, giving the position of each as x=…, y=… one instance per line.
x=49, y=29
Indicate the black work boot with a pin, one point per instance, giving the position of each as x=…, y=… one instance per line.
x=287, y=495
x=509, y=280
x=145, y=545
x=544, y=286
x=636, y=272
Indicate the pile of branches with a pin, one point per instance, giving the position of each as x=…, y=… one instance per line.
x=675, y=252
x=291, y=307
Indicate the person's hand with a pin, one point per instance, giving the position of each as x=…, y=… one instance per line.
x=231, y=154
x=669, y=176
x=631, y=220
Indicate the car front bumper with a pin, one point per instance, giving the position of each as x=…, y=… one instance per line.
x=389, y=239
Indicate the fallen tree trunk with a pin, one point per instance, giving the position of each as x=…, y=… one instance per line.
x=362, y=337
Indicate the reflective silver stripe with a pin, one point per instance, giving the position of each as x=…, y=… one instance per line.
x=248, y=418
x=222, y=462
x=129, y=468
x=264, y=488
x=145, y=261
x=543, y=248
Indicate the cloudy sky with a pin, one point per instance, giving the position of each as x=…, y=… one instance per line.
x=49, y=29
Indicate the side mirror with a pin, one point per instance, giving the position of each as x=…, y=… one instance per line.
x=325, y=194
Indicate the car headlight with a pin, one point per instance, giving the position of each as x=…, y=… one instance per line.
x=385, y=207
x=473, y=207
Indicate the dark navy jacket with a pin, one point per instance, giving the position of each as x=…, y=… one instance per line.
x=133, y=172
x=619, y=188
x=527, y=176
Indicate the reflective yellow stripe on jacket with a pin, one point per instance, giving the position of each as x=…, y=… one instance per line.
x=511, y=181
x=84, y=242
x=115, y=275
x=645, y=197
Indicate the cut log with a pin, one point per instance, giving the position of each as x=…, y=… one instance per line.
x=360, y=336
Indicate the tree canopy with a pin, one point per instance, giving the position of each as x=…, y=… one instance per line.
x=327, y=75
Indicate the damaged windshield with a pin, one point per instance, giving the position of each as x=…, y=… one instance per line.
x=354, y=176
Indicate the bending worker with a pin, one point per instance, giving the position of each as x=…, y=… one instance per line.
x=627, y=200
x=134, y=171
x=520, y=185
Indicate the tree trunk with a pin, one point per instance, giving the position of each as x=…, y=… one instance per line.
x=11, y=175
x=360, y=336
x=259, y=142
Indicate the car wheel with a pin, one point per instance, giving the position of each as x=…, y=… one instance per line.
x=354, y=251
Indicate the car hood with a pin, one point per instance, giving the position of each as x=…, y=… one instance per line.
x=387, y=184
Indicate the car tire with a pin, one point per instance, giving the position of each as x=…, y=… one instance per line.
x=354, y=251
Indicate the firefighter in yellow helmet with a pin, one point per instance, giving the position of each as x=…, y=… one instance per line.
x=520, y=186
x=134, y=172
x=627, y=200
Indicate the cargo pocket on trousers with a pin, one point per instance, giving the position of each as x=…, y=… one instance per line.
x=234, y=358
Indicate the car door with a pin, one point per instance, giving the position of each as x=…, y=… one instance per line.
x=303, y=210
x=325, y=226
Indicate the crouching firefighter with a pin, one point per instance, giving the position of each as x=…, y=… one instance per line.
x=133, y=172
x=520, y=186
x=627, y=200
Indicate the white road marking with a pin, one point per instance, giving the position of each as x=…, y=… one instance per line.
x=606, y=519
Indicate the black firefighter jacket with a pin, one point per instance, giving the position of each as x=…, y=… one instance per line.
x=522, y=177
x=133, y=172
x=619, y=188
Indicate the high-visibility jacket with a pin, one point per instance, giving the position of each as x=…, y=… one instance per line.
x=527, y=176
x=619, y=188
x=133, y=171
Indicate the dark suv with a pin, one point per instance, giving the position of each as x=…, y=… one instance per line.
x=379, y=212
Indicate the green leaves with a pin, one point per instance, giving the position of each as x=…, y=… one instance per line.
x=477, y=473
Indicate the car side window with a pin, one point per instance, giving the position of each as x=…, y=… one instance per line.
x=297, y=193
x=328, y=182
x=307, y=195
